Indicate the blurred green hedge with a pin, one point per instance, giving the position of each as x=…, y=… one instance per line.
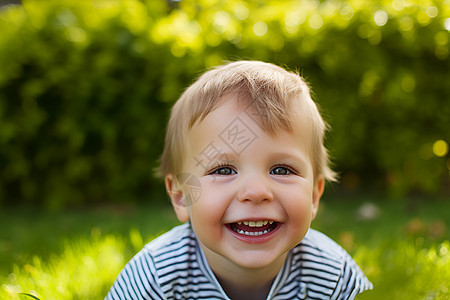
x=86, y=87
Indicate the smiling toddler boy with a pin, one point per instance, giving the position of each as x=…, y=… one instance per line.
x=245, y=167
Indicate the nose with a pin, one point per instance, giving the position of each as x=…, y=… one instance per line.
x=255, y=189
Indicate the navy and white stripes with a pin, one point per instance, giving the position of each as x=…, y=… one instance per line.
x=173, y=266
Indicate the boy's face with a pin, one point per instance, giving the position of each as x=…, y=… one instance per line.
x=258, y=194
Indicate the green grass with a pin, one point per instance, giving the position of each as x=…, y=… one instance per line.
x=77, y=254
x=405, y=252
x=74, y=254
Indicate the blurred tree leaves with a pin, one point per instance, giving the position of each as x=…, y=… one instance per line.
x=86, y=86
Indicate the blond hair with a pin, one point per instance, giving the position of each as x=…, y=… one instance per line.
x=268, y=89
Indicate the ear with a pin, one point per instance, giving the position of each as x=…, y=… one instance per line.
x=177, y=198
x=319, y=186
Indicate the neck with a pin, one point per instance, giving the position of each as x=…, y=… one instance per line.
x=240, y=282
x=246, y=278
x=238, y=291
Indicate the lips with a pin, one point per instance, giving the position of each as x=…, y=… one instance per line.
x=253, y=228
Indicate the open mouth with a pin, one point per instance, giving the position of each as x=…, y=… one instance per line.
x=253, y=228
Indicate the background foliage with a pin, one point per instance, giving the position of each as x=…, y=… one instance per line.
x=86, y=87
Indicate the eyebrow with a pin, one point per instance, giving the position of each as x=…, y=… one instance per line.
x=301, y=159
x=295, y=155
x=210, y=161
x=230, y=157
x=223, y=157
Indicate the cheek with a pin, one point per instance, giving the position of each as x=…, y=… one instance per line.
x=298, y=204
x=210, y=207
x=206, y=218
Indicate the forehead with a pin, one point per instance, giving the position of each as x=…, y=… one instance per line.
x=234, y=123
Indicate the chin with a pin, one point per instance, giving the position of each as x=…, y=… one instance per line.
x=256, y=260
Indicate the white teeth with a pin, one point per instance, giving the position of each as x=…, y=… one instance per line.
x=256, y=223
x=252, y=233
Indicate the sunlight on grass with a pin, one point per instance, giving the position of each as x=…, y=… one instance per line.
x=85, y=270
x=399, y=269
x=404, y=269
x=405, y=256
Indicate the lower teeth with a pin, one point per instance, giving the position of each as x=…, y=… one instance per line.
x=254, y=233
x=251, y=233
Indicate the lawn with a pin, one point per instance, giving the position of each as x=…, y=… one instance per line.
x=402, y=246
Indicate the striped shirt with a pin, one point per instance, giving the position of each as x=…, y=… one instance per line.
x=173, y=266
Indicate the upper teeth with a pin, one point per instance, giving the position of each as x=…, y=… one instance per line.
x=255, y=223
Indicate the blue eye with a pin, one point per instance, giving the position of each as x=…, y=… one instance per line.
x=224, y=171
x=281, y=171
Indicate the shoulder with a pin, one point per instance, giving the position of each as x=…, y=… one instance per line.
x=171, y=251
x=180, y=269
x=179, y=237
x=319, y=243
x=143, y=276
x=327, y=268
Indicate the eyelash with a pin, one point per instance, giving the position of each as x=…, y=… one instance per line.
x=220, y=166
x=289, y=168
